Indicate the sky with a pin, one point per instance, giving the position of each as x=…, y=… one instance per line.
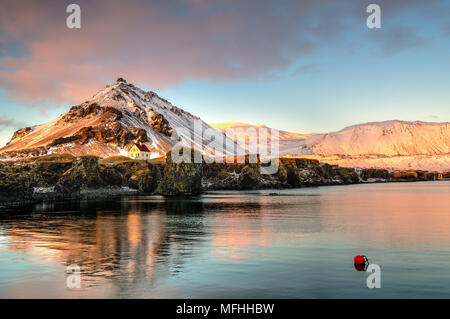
x=305, y=66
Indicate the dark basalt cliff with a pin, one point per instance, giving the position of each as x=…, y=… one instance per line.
x=66, y=176
x=181, y=178
x=300, y=172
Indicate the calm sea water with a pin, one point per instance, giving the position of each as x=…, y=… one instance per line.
x=298, y=244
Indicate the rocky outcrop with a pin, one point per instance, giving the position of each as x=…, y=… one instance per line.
x=60, y=176
x=21, y=133
x=27, y=152
x=63, y=140
x=84, y=174
x=411, y=175
x=249, y=177
x=159, y=123
x=299, y=172
x=110, y=132
x=81, y=111
x=19, y=179
x=135, y=174
x=181, y=178
x=373, y=173
x=113, y=134
x=107, y=129
x=291, y=173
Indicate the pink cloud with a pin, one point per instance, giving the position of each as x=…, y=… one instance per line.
x=151, y=43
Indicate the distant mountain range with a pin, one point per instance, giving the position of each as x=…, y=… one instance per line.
x=121, y=113
x=389, y=138
x=389, y=144
x=288, y=142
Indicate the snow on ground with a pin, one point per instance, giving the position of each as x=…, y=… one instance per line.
x=440, y=163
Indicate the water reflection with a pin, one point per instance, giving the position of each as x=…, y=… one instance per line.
x=124, y=241
x=139, y=240
x=230, y=243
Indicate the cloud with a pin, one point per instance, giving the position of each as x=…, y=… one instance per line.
x=397, y=39
x=158, y=44
x=446, y=29
x=8, y=122
x=432, y=118
x=306, y=69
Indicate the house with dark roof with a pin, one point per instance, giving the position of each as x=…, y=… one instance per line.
x=139, y=151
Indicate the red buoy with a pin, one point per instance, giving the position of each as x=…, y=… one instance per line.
x=360, y=260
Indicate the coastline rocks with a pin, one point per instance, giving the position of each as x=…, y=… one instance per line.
x=135, y=174
x=181, y=178
x=63, y=176
x=412, y=175
x=18, y=180
x=291, y=173
x=308, y=172
x=374, y=173
x=83, y=174
x=14, y=186
x=249, y=178
x=409, y=175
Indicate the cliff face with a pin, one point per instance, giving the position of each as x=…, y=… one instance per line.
x=292, y=173
x=62, y=176
x=67, y=176
x=181, y=178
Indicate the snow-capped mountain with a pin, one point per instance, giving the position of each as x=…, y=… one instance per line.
x=245, y=133
x=389, y=138
x=388, y=144
x=110, y=121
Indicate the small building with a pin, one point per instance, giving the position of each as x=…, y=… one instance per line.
x=139, y=151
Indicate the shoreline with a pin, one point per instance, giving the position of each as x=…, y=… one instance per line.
x=66, y=177
x=106, y=193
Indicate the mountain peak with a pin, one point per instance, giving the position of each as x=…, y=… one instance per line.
x=106, y=124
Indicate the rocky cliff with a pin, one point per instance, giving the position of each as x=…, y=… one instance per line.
x=181, y=178
x=66, y=176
